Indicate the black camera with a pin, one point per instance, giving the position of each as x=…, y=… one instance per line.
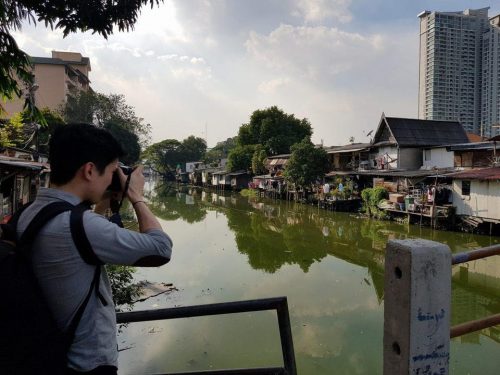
x=116, y=186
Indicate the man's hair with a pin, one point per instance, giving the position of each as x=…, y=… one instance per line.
x=73, y=145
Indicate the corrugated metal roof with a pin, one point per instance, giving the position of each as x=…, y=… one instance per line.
x=474, y=146
x=277, y=161
x=396, y=173
x=354, y=147
x=15, y=162
x=281, y=156
x=220, y=173
x=237, y=173
x=415, y=132
x=479, y=174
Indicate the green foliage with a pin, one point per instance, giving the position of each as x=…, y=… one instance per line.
x=71, y=16
x=275, y=130
x=52, y=120
x=220, y=151
x=240, y=158
x=21, y=132
x=81, y=107
x=377, y=194
x=194, y=148
x=164, y=156
x=371, y=198
x=366, y=194
x=129, y=142
x=176, y=208
x=258, y=167
x=125, y=292
x=249, y=193
x=93, y=107
x=306, y=165
x=11, y=132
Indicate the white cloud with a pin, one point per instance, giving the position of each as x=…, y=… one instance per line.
x=191, y=63
x=318, y=10
x=314, y=52
x=186, y=67
x=161, y=23
x=273, y=85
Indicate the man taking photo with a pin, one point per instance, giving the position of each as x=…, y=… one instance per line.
x=83, y=159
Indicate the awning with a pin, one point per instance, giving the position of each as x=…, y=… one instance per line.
x=347, y=151
x=32, y=165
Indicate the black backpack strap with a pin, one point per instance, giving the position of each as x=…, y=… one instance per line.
x=81, y=242
x=9, y=229
x=41, y=218
x=79, y=236
x=86, y=252
x=94, y=286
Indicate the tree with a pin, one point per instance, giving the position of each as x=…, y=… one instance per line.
x=306, y=165
x=20, y=131
x=240, y=158
x=101, y=109
x=99, y=17
x=128, y=140
x=274, y=129
x=194, y=148
x=53, y=120
x=220, y=151
x=258, y=158
x=11, y=131
x=164, y=156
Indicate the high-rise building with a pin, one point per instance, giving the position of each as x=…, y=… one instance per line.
x=452, y=64
x=490, y=95
x=57, y=78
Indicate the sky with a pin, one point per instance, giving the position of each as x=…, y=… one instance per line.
x=201, y=67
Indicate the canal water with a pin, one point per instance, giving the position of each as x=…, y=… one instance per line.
x=329, y=265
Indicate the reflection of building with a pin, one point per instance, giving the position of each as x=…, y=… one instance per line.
x=58, y=77
x=475, y=295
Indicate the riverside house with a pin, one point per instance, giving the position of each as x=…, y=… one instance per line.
x=476, y=195
x=399, y=142
x=19, y=182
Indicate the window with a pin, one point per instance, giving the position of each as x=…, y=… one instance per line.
x=427, y=155
x=465, y=187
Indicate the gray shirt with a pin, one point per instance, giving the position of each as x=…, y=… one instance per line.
x=65, y=278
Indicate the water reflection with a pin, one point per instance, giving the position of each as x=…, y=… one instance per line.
x=169, y=203
x=331, y=267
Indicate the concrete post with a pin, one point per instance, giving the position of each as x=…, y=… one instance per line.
x=417, y=306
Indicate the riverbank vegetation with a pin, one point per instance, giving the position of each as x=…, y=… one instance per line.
x=371, y=199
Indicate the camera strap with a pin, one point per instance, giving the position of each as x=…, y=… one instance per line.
x=127, y=183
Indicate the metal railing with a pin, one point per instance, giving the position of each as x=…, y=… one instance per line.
x=278, y=303
x=479, y=324
x=417, y=306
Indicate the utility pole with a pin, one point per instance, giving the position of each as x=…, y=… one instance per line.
x=30, y=95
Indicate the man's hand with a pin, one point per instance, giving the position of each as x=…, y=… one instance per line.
x=135, y=191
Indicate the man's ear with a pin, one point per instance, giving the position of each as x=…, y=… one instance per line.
x=88, y=170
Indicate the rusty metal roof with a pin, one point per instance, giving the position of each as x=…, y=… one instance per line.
x=277, y=161
x=479, y=174
x=21, y=163
x=354, y=147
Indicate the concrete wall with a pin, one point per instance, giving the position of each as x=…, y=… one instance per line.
x=439, y=158
x=52, y=82
x=410, y=158
x=483, y=201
